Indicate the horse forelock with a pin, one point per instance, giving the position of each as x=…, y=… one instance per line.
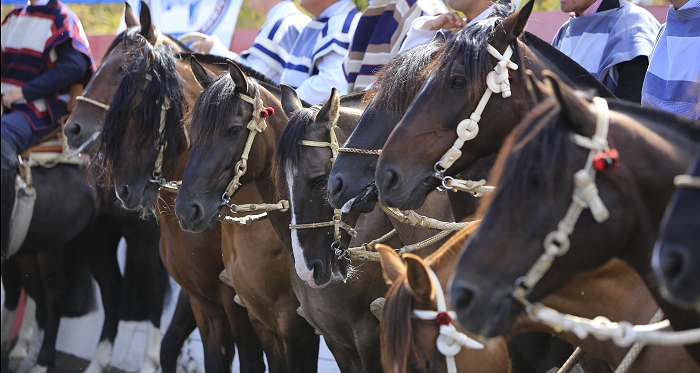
x=399, y=81
x=289, y=149
x=138, y=100
x=396, y=329
x=214, y=108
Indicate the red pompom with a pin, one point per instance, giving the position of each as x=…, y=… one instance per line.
x=266, y=112
x=270, y=110
x=443, y=318
x=605, y=161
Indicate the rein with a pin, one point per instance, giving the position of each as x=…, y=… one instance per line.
x=256, y=125
x=496, y=82
x=556, y=243
x=450, y=341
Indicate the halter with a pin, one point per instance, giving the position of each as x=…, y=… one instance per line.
x=336, y=222
x=496, y=82
x=687, y=181
x=585, y=195
x=450, y=341
x=256, y=124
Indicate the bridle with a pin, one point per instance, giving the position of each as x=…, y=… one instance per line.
x=257, y=124
x=336, y=222
x=450, y=341
x=496, y=82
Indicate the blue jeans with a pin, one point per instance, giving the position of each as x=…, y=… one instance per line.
x=17, y=131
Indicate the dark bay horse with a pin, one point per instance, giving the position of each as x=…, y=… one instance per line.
x=454, y=84
x=145, y=123
x=534, y=188
x=677, y=252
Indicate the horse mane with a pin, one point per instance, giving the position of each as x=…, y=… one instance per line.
x=288, y=151
x=133, y=100
x=396, y=328
x=470, y=43
x=658, y=120
x=131, y=33
x=399, y=81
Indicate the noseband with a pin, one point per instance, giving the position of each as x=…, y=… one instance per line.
x=450, y=341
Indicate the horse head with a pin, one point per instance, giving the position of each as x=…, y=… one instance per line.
x=417, y=332
x=352, y=178
x=305, y=153
x=234, y=124
x=143, y=133
x=85, y=122
x=558, y=170
x=676, y=251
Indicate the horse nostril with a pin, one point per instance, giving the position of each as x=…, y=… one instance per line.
x=462, y=298
x=335, y=187
x=123, y=191
x=674, y=265
x=73, y=129
x=390, y=180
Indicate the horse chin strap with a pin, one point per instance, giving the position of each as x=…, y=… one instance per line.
x=256, y=125
x=496, y=82
x=450, y=341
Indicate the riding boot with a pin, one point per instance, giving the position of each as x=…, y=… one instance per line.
x=8, y=172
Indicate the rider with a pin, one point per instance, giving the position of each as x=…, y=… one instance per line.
x=38, y=68
x=380, y=31
x=612, y=39
x=315, y=64
x=272, y=44
x=672, y=82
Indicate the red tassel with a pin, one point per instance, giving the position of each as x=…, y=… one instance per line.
x=605, y=161
x=266, y=112
x=443, y=318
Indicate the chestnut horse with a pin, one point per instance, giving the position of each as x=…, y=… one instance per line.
x=454, y=84
x=534, y=188
x=676, y=253
x=614, y=291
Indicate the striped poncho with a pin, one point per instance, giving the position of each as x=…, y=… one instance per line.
x=29, y=36
x=380, y=31
x=604, y=39
x=315, y=62
x=672, y=82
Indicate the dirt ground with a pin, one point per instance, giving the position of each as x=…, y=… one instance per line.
x=65, y=363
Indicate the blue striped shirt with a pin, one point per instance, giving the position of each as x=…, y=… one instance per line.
x=602, y=40
x=672, y=82
x=315, y=62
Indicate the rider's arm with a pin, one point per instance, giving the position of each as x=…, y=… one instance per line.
x=631, y=79
x=69, y=68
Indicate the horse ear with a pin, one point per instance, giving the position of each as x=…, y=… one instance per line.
x=538, y=90
x=573, y=108
x=418, y=278
x=514, y=24
x=129, y=16
x=439, y=37
x=238, y=77
x=203, y=76
x=147, y=28
x=290, y=100
x=392, y=265
x=330, y=109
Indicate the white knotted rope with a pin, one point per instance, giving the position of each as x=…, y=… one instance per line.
x=450, y=341
x=496, y=82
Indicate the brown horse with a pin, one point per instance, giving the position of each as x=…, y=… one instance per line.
x=534, y=188
x=211, y=300
x=456, y=82
x=614, y=291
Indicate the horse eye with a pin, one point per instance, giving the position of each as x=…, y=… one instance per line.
x=459, y=82
x=234, y=130
x=320, y=181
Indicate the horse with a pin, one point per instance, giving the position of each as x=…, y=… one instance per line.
x=391, y=95
x=211, y=300
x=676, y=252
x=454, y=84
x=614, y=291
x=625, y=214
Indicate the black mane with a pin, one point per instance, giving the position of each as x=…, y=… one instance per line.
x=130, y=35
x=214, y=60
x=138, y=100
x=288, y=152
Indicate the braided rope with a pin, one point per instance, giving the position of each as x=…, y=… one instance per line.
x=360, y=151
x=571, y=361
x=414, y=219
x=91, y=101
x=687, y=181
x=638, y=346
x=373, y=256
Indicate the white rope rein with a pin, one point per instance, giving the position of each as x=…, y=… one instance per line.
x=450, y=341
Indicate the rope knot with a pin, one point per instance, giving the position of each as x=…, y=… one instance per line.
x=443, y=318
